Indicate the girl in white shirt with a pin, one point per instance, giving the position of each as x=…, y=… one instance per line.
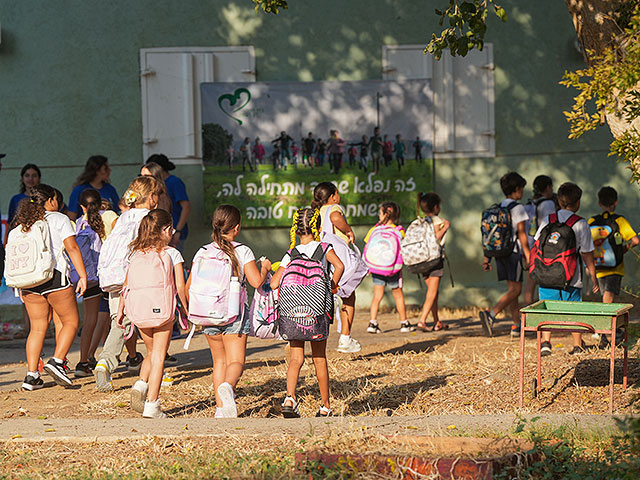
x=57, y=293
x=155, y=232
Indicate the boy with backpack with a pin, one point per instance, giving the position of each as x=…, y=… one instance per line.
x=612, y=238
x=561, y=240
x=504, y=238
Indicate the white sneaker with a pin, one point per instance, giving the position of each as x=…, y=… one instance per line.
x=373, y=328
x=218, y=413
x=103, y=377
x=349, y=346
x=167, y=380
x=152, y=410
x=139, y=395
x=229, y=408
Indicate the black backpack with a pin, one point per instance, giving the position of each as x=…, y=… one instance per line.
x=497, y=231
x=609, y=246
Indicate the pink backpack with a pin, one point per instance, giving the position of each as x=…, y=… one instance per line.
x=264, y=311
x=382, y=251
x=150, y=294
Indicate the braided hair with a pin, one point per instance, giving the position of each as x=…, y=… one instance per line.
x=306, y=221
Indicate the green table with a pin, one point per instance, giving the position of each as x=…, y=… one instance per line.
x=580, y=317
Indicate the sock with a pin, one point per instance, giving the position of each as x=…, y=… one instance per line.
x=35, y=374
x=344, y=338
x=373, y=321
x=57, y=360
x=218, y=410
x=492, y=314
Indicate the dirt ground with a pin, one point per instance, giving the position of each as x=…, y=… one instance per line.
x=454, y=372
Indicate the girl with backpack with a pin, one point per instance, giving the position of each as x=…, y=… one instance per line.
x=302, y=263
x=154, y=278
x=382, y=255
x=141, y=197
x=91, y=231
x=227, y=336
x=38, y=222
x=337, y=232
x=429, y=204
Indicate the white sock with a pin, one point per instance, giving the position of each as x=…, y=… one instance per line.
x=344, y=338
x=35, y=374
x=373, y=321
x=57, y=360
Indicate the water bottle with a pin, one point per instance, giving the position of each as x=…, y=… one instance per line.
x=233, y=309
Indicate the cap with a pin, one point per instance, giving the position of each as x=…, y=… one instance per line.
x=162, y=160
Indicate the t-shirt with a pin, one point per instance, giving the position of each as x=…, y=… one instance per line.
x=398, y=147
x=334, y=208
x=243, y=253
x=584, y=242
x=108, y=216
x=376, y=144
x=175, y=255
x=627, y=233
x=107, y=192
x=177, y=193
x=13, y=205
x=60, y=228
x=438, y=221
x=518, y=214
x=545, y=208
x=309, y=143
x=307, y=249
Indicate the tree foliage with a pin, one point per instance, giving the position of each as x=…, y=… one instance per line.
x=271, y=6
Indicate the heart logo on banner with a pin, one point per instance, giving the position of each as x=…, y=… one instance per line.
x=231, y=103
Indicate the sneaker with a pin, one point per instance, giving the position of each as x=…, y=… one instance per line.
x=218, y=413
x=290, y=411
x=373, y=328
x=349, y=346
x=139, y=395
x=83, y=369
x=487, y=322
x=103, y=377
x=170, y=360
x=58, y=373
x=577, y=349
x=65, y=365
x=545, y=349
x=515, y=330
x=92, y=362
x=406, y=327
x=134, y=364
x=229, y=408
x=167, y=380
x=32, y=383
x=152, y=410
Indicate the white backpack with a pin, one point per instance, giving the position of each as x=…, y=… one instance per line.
x=114, y=255
x=29, y=258
x=421, y=251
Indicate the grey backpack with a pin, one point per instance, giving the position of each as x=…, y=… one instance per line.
x=421, y=251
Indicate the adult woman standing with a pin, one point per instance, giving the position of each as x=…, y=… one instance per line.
x=96, y=175
x=29, y=177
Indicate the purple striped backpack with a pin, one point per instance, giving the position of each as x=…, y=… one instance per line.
x=305, y=301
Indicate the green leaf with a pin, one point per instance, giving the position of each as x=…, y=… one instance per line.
x=501, y=13
x=463, y=46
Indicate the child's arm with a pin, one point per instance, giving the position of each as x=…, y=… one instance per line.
x=524, y=241
x=71, y=246
x=181, y=288
x=275, y=280
x=254, y=276
x=442, y=229
x=338, y=220
x=486, y=264
x=591, y=268
x=631, y=243
x=338, y=269
x=186, y=288
x=120, y=314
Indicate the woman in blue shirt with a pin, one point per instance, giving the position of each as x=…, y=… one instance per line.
x=96, y=175
x=29, y=177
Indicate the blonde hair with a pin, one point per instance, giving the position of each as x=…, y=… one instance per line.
x=305, y=222
x=140, y=191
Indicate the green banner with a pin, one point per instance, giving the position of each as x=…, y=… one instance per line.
x=268, y=197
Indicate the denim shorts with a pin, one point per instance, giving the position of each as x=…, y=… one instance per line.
x=393, y=281
x=238, y=327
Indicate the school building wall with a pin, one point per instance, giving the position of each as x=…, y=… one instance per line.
x=70, y=88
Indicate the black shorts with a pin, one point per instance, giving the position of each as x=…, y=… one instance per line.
x=610, y=283
x=510, y=268
x=91, y=292
x=58, y=282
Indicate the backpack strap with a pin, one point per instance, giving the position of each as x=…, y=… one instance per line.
x=553, y=218
x=571, y=221
x=320, y=252
x=294, y=253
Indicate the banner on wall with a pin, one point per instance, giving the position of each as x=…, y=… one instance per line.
x=270, y=181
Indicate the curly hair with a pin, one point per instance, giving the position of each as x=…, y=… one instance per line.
x=225, y=219
x=94, y=163
x=92, y=201
x=140, y=190
x=150, y=231
x=31, y=209
x=306, y=221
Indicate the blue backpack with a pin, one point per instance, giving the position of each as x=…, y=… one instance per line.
x=90, y=244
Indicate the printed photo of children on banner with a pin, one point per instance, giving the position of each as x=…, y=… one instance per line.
x=267, y=145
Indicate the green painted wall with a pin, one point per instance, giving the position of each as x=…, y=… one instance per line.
x=69, y=88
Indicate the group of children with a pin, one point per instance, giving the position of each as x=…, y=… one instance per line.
x=550, y=242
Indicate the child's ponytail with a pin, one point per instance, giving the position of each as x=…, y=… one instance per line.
x=92, y=201
x=31, y=209
x=225, y=219
x=321, y=194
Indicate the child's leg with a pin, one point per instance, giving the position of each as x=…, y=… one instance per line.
x=90, y=308
x=295, y=364
x=158, y=339
x=434, y=311
x=319, y=353
x=432, y=283
x=219, y=362
x=529, y=291
x=65, y=307
x=608, y=297
x=131, y=347
x=513, y=292
x=515, y=311
x=378, y=293
x=398, y=296
x=38, y=310
x=99, y=332
x=347, y=312
x=235, y=346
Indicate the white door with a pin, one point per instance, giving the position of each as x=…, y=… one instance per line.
x=170, y=83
